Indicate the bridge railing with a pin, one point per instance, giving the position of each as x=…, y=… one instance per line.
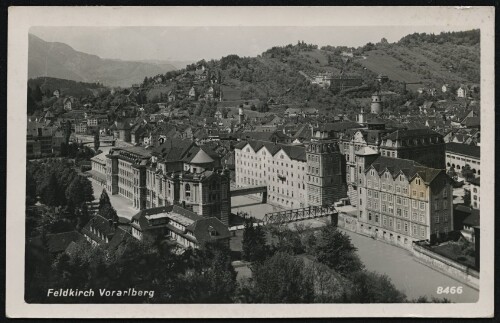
x=298, y=214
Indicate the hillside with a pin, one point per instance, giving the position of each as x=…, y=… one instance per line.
x=66, y=87
x=59, y=60
x=430, y=59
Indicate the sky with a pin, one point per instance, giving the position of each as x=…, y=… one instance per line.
x=196, y=43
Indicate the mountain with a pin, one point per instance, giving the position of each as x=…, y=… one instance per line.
x=59, y=60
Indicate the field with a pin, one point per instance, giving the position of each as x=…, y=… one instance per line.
x=405, y=65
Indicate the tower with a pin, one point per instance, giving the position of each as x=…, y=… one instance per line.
x=376, y=106
x=324, y=173
x=361, y=116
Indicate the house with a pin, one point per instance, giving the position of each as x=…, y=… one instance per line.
x=81, y=127
x=192, y=93
x=68, y=103
x=183, y=227
x=475, y=193
x=445, y=88
x=462, y=92
x=470, y=223
x=102, y=231
x=56, y=93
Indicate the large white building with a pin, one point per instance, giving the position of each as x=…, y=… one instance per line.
x=295, y=176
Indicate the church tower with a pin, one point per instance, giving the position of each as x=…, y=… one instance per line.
x=324, y=173
x=376, y=106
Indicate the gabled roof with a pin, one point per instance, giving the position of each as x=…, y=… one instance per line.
x=294, y=152
x=173, y=150
x=408, y=167
x=473, y=219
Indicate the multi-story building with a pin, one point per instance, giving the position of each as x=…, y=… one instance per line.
x=176, y=172
x=459, y=155
x=185, y=228
x=424, y=146
x=39, y=140
x=475, y=193
x=282, y=168
x=295, y=176
x=401, y=201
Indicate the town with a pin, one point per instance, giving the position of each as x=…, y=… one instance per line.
x=202, y=183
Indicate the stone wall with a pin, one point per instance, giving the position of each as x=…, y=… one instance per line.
x=447, y=266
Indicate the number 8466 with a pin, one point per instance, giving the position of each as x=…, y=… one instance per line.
x=449, y=290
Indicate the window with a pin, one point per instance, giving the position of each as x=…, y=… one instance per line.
x=369, y=193
x=406, y=226
x=445, y=193
x=436, y=218
x=398, y=200
x=369, y=216
x=422, y=205
x=414, y=203
x=422, y=231
x=445, y=204
x=398, y=212
x=375, y=194
x=422, y=195
x=376, y=218
x=399, y=224
x=384, y=196
x=405, y=213
x=398, y=189
x=187, y=190
x=414, y=193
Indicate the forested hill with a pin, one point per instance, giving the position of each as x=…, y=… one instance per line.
x=278, y=73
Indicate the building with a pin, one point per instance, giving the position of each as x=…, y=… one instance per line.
x=376, y=105
x=102, y=231
x=424, y=146
x=187, y=229
x=344, y=82
x=176, y=172
x=462, y=92
x=458, y=155
x=295, y=176
x=470, y=223
x=81, y=127
x=98, y=171
x=475, y=194
x=401, y=201
x=39, y=139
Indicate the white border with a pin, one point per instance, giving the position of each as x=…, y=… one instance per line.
x=20, y=20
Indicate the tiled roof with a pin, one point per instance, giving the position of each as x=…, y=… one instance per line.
x=294, y=152
x=173, y=150
x=473, y=219
x=411, y=134
x=408, y=167
x=58, y=242
x=338, y=126
x=463, y=149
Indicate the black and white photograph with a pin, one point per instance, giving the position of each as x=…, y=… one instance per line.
x=308, y=164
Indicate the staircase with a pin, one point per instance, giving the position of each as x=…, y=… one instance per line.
x=352, y=193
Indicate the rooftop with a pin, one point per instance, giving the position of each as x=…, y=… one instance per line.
x=463, y=149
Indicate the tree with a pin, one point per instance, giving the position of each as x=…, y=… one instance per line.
x=370, y=287
x=467, y=198
x=282, y=279
x=467, y=173
x=52, y=193
x=452, y=173
x=31, y=197
x=106, y=210
x=254, y=242
x=334, y=249
x=97, y=141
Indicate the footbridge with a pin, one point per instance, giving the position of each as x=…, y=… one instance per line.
x=292, y=215
x=247, y=190
x=310, y=212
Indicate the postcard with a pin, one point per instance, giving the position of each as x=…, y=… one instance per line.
x=250, y=162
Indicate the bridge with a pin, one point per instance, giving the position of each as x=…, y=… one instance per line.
x=250, y=190
x=287, y=216
x=310, y=212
